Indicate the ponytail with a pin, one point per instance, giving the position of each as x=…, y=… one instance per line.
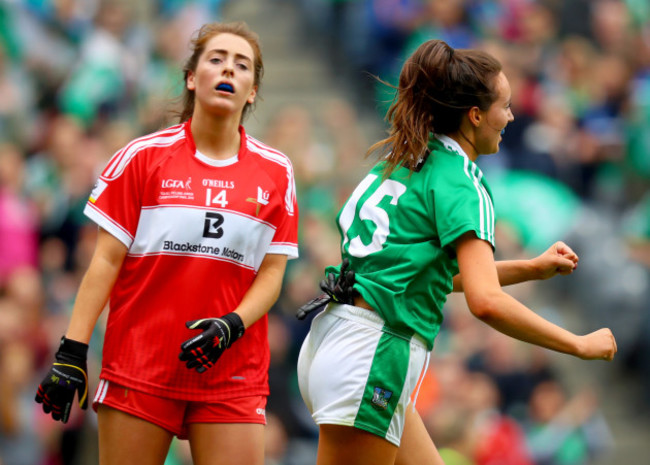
x=437, y=86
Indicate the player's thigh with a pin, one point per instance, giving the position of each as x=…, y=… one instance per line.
x=347, y=445
x=227, y=443
x=416, y=447
x=128, y=440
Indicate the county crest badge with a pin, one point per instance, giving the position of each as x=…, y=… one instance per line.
x=381, y=397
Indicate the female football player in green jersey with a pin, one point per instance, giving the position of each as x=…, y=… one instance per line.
x=419, y=226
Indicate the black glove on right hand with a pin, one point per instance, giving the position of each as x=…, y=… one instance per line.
x=67, y=375
x=201, y=352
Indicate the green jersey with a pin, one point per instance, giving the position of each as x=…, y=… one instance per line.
x=398, y=234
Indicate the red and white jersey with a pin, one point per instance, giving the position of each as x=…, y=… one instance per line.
x=197, y=230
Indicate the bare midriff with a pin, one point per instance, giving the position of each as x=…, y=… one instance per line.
x=361, y=302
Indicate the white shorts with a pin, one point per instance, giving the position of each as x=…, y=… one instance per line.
x=353, y=371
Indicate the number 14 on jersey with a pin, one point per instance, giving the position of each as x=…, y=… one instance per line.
x=218, y=199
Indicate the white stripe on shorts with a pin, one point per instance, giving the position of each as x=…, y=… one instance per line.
x=102, y=389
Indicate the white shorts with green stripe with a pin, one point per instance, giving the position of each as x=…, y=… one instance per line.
x=353, y=371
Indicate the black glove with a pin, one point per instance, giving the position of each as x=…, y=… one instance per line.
x=313, y=305
x=67, y=375
x=339, y=290
x=202, y=351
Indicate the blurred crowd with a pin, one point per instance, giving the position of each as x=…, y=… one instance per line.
x=81, y=78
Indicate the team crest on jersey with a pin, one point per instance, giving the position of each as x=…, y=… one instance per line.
x=262, y=199
x=381, y=397
x=176, y=189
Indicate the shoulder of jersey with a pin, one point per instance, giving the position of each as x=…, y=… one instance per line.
x=158, y=140
x=279, y=166
x=267, y=154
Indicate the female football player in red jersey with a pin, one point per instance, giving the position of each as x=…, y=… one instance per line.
x=419, y=226
x=196, y=223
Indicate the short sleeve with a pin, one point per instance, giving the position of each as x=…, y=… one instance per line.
x=115, y=201
x=463, y=203
x=285, y=239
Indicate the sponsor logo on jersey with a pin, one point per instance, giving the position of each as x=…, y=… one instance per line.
x=177, y=184
x=97, y=190
x=381, y=397
x=212, y=225
x=219, y=183
x=262, y=199
x=176, y=189
x=189, y=247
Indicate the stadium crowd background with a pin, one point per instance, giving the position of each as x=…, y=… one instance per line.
x=81, y=78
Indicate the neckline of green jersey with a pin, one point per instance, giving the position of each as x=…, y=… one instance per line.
x=451, y=145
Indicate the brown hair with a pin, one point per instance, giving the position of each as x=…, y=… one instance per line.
x=437, y=86
x=198, y=43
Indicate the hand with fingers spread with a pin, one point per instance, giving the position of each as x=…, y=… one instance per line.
x=66, y=376
x=202, y=351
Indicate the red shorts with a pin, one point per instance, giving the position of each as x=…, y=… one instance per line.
x=175, y=415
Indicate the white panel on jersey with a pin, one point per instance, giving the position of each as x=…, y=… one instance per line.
x=213, y=234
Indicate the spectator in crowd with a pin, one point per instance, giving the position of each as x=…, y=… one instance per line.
x=18, y=229
x=564, y=431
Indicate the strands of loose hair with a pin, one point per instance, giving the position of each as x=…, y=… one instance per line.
x=436, y=87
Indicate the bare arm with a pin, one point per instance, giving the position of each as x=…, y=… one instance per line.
x=264, y=291
x=96, y=286
x=490, y=304
x=557, y=259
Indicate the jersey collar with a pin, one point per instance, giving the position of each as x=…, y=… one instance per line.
x=451, y=144
x=210, y=161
